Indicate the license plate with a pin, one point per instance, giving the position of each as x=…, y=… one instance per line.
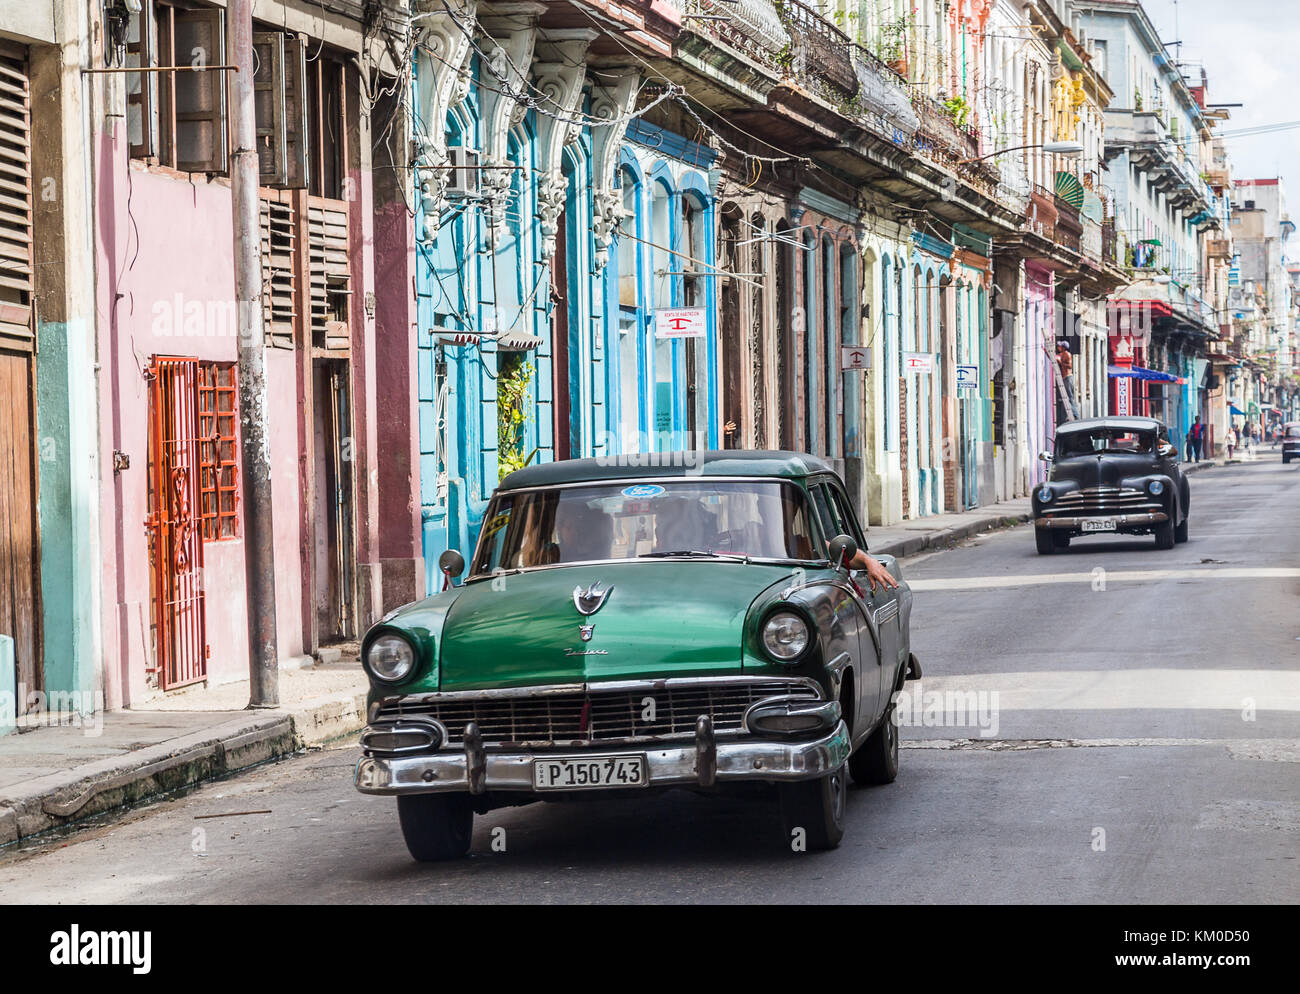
x=1097, y=525
x=584, y=774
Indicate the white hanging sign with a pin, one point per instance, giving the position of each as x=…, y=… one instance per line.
x=918, y=362
x=854, y=357
x=968, y=377
x=681, y=322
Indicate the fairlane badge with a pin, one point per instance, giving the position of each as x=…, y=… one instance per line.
x=586, y=652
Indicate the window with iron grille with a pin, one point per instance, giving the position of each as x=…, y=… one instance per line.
x=218, y=452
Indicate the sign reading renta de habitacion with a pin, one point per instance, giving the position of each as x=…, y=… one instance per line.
x=681, y=322
x=918, y=362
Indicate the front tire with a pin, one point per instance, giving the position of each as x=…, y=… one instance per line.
x=1165, y=533
x=1043, y=539
x=436, y=827
x=876, y=761
x=817, y=808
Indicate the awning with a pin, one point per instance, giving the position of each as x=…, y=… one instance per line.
x=1138, y=373
x=1234, y=409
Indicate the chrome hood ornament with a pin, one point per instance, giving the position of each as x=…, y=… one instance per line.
x=591, y=600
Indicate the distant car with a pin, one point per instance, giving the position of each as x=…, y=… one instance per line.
x=1290, y=441
x=687, y=624
x=1111, y=475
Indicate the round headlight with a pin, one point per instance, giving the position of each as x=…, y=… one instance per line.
x=1045, y=494
x=785, y=636
x=390, y=658
x=1156, y=487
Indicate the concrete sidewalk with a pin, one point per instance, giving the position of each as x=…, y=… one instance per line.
x=59, y=768
x=941, y=531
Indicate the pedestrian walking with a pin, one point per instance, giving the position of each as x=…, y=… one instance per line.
x=1195, y=440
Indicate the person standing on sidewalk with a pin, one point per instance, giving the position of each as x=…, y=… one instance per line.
x=1066, y=362
x=1195, y=440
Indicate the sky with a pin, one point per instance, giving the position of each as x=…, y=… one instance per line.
x=1249, y=49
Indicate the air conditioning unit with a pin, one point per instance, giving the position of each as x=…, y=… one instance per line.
x=463, y=163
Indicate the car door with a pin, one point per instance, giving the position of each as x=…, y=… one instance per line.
x=837, y=519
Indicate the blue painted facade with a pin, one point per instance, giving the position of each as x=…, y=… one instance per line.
x=487, y=286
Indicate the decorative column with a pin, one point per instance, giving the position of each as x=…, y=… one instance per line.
x=558, y=76
x=509, y=34
x=609, y=102
x=442, y=81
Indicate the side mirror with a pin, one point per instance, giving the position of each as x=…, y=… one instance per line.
x=842, y=549
x=452, y=564
x=1045, y=456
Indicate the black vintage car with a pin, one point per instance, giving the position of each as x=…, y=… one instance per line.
x=1111, y=475
x=1290, y=441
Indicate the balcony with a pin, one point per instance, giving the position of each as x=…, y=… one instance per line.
x=819, y=51
x=1069, y=226
x=1109, y=256
x=939, y=137
x=1152, y=150
x=751, y=29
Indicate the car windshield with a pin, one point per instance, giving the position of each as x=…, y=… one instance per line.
x=628, y=520
x=1293, y=431
x=1094, y=440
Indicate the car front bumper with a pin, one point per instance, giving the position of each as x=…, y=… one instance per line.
x=668, y=764
x=1145, y=519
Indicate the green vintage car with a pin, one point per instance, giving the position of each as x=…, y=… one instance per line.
x=687, y=624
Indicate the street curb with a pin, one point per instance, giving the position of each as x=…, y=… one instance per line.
x=73, y=795
x=946, y=538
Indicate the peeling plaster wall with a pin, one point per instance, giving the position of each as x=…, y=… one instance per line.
x=165, y=252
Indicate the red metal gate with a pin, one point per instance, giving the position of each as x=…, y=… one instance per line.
x=176, y=545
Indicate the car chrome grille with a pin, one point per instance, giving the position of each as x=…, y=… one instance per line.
x=599, y=715
x=1103, y=500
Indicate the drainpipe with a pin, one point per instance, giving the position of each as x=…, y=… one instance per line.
x=259, y=535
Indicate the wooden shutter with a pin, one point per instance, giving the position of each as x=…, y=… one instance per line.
x=278, y=276
x=295, y=112
x=142, y=87
x=268, y=99
x=16, y=325
x=331, y=276
x=200, y=96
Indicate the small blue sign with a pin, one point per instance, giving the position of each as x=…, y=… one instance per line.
x=642, y=490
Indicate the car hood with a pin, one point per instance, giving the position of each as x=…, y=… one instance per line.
x=1106, y=470
x=660, y=619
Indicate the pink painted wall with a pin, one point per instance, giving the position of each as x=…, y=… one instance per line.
x=166, y=287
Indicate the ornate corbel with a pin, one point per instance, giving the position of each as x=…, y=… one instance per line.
x=509, y=34
x=609, y=102
x=558, y=76
x=442, y=81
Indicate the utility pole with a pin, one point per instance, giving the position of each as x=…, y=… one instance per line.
x=259, y=535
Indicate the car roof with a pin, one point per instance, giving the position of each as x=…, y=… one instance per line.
x=660, y=465
x=1122, y=423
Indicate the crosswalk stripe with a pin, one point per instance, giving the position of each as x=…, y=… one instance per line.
x=1109, y=576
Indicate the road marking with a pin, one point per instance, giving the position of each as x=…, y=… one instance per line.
x=1268, y=750
x=1135, y=689
x=1110, y=575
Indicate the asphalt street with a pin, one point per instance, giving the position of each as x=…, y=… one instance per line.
x=1110, y=724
